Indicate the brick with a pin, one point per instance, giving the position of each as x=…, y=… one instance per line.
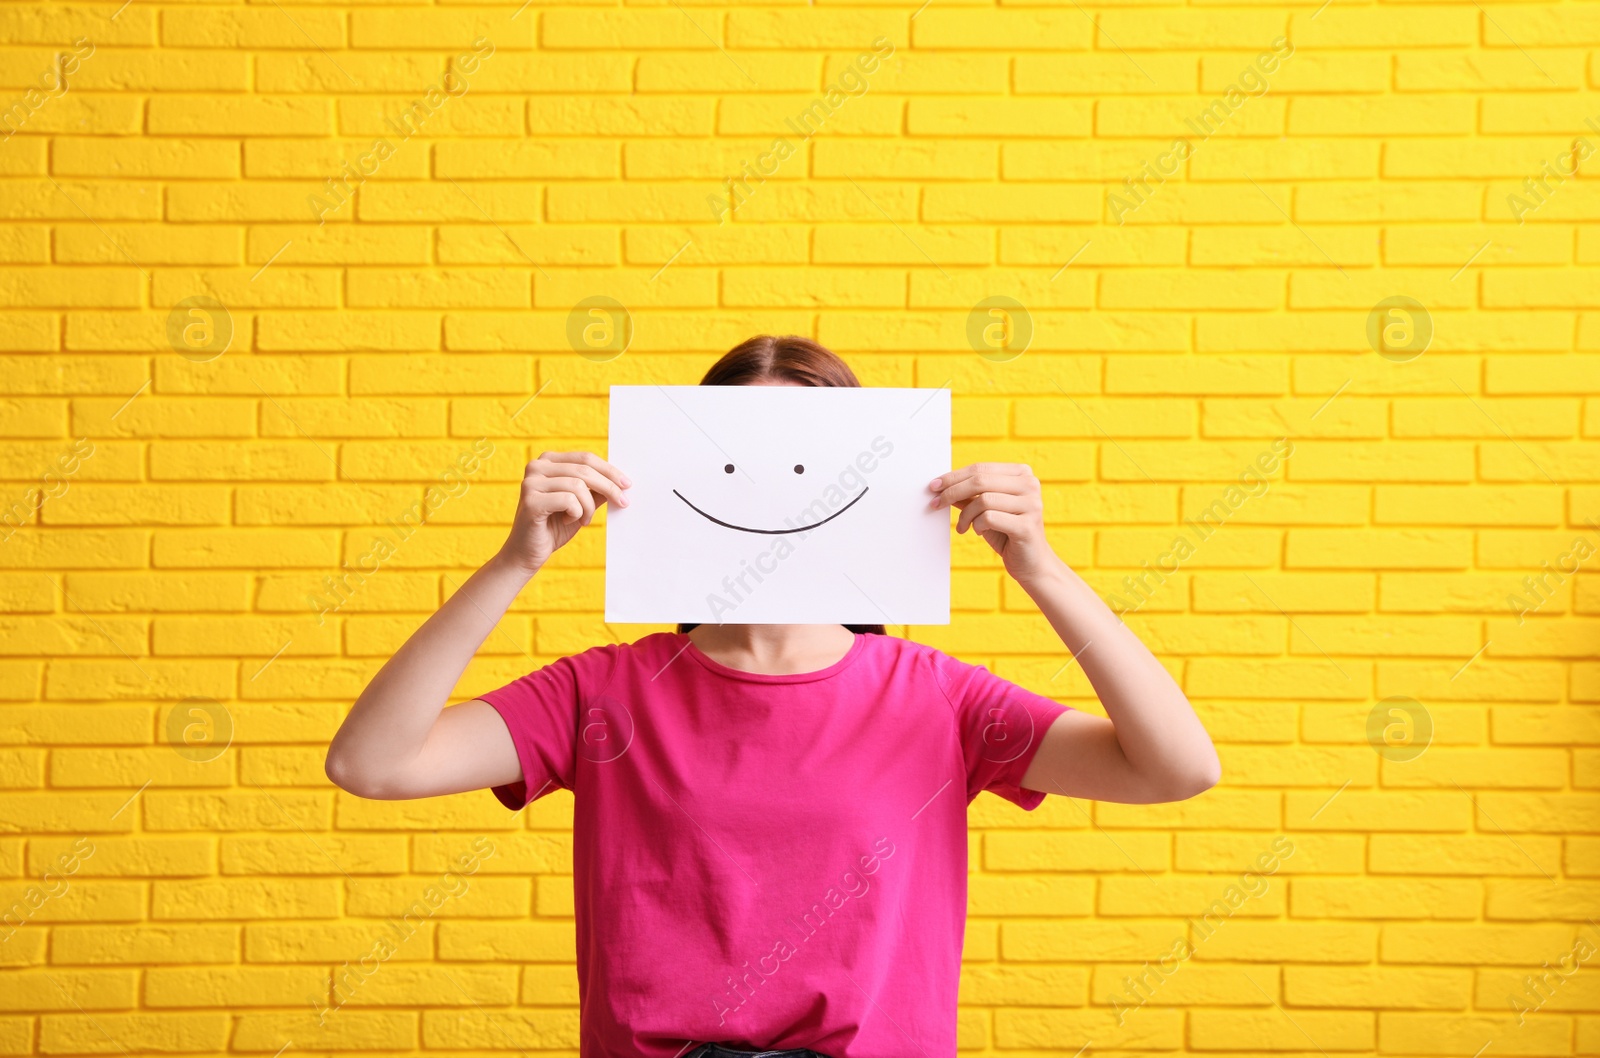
x=103, y=287
x=1391, y=116
x=138, y=159
x=1154, y=1030
x=1108, y=74
x=71, y=990
x=1231, y=245
x=232, y=987
x=1377, y=987
x=51, y=25
x=1486, y=855
x=158, y=944
x=320, y=160
x=1294, y=592
x=343, y=855
x=1440, y=1034
x=689, y=71
x=857, y=30
x=1544, y=813
x=186, y=1033
x=1378, y=811
x=1314, y=942
x=348, y=331
x=221, y=115
x=438, y=986
x=1416, y=898
x=481, y=1029
x=592, y=30
x=350, y=1030
x=1272, y=1030
x=71, y=199
x=402, y=29
x=969, y=203
x=1543, y=26
x=409, y=116
x=988, y=118
x=1000, y=30
x=1212, y=375
x=331, y=942
x=243, y=899
x=1305, y=72
x=230, y=811
x=1199, y=985
x=527, y=159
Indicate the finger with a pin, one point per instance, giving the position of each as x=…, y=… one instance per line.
x=1009, y=525
x=544, y=504
x=576, y=487
x=959, y=493
x=591, y=460
x=945, y=480
x=990, y=501
x=596, y=481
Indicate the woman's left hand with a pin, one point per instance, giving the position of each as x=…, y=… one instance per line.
x=1004, y=502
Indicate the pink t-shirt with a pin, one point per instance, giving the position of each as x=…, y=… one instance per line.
x=770, y=861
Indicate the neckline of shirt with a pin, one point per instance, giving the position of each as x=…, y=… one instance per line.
x=717, y=668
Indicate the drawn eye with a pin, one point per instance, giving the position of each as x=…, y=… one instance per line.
x=728, y=469
x=798, y=469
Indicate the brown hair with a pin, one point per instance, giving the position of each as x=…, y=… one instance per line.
x=784, y=358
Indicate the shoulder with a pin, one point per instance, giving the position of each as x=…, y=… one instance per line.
x=605, y=659
x=949, y=674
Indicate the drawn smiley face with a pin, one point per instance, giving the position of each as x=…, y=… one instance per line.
x=799, y=468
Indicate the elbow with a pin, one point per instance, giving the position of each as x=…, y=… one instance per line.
x=348, y=776
x=1196, y=780
x=336, y=766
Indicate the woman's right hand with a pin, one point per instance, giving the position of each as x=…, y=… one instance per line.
x=560, y=491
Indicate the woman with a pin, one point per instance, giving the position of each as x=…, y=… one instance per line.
x=770, y=843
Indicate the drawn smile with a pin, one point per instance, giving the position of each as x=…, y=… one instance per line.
x=769, y=532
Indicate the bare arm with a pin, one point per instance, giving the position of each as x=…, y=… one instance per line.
x=399, y=740
x=1150, y=746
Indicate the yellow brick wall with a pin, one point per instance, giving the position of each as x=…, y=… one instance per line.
x=173, y=518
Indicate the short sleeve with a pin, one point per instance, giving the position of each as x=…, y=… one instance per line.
x=1000, y=725
x=542, y=711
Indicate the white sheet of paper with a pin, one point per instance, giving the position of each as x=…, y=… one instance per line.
x=848, y=538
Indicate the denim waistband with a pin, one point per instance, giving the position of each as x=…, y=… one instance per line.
x=715, y=1050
